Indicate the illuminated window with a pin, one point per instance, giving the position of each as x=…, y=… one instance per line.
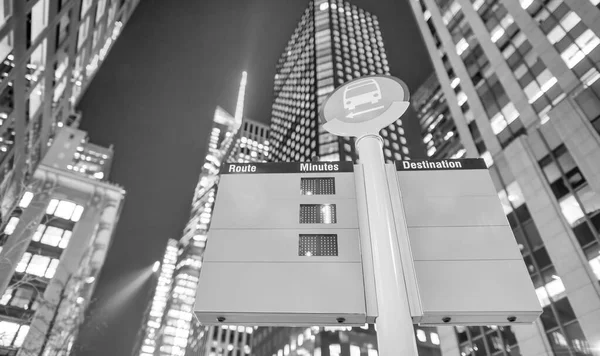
x=318, y=245
x=11, y=225
x=435, y=339
x=35, y=98
x=335, y=350
x=6, y=45
x=52, y=236
x=83, y=32
x=318, y=214
x=39, y=19
x=354, y=350
x=421, y=336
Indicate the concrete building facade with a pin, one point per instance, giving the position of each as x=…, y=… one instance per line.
x=54, y=246
x=50, y=50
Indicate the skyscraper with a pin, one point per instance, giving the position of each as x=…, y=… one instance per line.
x=156, y=311
x=520, y=82
x=49, y=52
x=334, y=42
x=232, y=139
x=54, y=246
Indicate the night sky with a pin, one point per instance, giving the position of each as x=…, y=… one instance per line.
x=154, y=99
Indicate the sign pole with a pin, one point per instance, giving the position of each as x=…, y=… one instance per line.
x=395, y=333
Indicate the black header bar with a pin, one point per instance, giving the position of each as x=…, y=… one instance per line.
x=442, y=164
x=291, y=167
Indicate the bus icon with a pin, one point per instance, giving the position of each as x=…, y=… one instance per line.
x=365, y=91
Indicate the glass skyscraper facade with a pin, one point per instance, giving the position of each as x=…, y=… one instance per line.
x=49, y=52
x=152, y=321
x=517, y=84
x=334, y=42
x=54, y=246
x=232, y=139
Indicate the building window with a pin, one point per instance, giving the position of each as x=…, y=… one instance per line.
x=318, y=214
x=52, y=236
x=317, y=186
x=11, y=225
x=13, y=334
x=65, y=209
x=318, y=245
x=39, y=19
x=37, y=265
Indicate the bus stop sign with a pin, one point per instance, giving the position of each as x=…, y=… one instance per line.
x=364, y=105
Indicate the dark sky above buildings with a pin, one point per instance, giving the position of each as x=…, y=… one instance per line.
x=154, y=99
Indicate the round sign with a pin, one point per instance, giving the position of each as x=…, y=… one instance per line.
x=364, y=105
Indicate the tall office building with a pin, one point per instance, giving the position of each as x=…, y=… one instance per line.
x=437, y=127
x=156, y=311
x=334, y=42
x=49, y=53
x=54, y=246
x=332, y=341
x=518, y=86
x=232, y=139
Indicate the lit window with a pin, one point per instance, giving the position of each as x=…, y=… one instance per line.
x=9, y=331
x=372, y=352
x=354, y=350
x=553, y=290
x=461, y=46
x=510, y=112
x=587, y=41
x=427, y=15
x=38, y=265
x=571, y=210
x=461, y=98
x=497, y=33
x=569, y=21
x=525, y=3
x=595, y=264
x=335, y=350
x=435, y=338
x=498, y=123
x=51, y=268
x=77, y=213
x=487, y=157
x=52, y=236
x=454, y=83
x=25, y=200
x=556, y=34
x=65, y=209
x=477, y=4
x=431, y=151
x=52, y=206
x=421, y=336
x=11, y=225
x=6, y=45
x=22, y=265
x=39, y=18
x=324, y=6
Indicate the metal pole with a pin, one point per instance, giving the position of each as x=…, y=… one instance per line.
x=395, y=333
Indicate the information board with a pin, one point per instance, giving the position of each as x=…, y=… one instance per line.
x=468, y=267
x=283, y=247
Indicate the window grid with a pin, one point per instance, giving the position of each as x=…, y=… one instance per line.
x=317, y=186
x=318, y=245
x=557, y=312
x=318, y=214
